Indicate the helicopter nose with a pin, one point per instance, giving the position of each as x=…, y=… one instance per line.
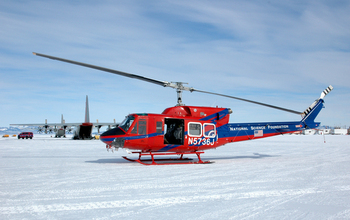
x=109, y=136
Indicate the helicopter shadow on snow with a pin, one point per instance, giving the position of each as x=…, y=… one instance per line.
x=254, y=156
x=108, y=161
x=213, y=159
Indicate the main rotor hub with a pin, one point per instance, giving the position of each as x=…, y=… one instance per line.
x=179, y=88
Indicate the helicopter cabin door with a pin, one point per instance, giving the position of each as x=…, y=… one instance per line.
x=174, y=131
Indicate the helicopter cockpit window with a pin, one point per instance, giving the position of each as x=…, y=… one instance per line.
x=134, y=129
x=125, y=125
x=195, y=129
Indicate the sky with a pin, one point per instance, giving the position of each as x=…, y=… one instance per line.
x=284, y=53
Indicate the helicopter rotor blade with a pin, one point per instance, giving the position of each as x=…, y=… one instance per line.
x=251, y=101
x=161, y=83
x=176, y=85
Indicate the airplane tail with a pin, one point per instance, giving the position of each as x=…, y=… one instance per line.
x=312, y=111
x=62, y=120
x=87, y=114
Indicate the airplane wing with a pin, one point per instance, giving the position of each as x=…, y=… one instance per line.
x=41, y=125
x=63, y=124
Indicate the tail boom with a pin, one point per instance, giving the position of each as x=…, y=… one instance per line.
x=248, y=131
x=234, y=132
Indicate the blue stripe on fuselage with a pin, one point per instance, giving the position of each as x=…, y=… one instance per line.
x=168, y=148
x=213, y=117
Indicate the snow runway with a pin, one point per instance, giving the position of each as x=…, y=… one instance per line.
x=284, y=177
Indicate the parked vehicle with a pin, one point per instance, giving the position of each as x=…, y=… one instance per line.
x=25, y=135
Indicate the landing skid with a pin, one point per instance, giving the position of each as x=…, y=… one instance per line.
x=174, y=161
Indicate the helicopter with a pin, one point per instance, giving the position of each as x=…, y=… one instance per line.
x=185, y=130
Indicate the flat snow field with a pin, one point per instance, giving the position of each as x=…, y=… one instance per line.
x=282, y=177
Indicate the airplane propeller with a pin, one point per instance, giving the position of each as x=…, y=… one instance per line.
x=40, y=130
x=69, y=130
x=179, y=86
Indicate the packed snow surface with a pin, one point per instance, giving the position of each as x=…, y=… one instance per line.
x=283, y=177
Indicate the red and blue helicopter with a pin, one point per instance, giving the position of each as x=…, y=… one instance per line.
x=183, y=130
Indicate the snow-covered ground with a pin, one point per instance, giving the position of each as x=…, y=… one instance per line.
x=283, y=177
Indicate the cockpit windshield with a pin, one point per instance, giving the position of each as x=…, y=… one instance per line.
x=125, y=125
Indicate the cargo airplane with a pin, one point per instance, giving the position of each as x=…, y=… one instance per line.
x=82, y=130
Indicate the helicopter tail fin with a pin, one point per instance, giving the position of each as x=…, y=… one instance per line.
x=309, y=115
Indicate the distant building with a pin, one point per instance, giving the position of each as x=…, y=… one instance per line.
x=340, y=131
x=324, y=131
x=309, y=132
